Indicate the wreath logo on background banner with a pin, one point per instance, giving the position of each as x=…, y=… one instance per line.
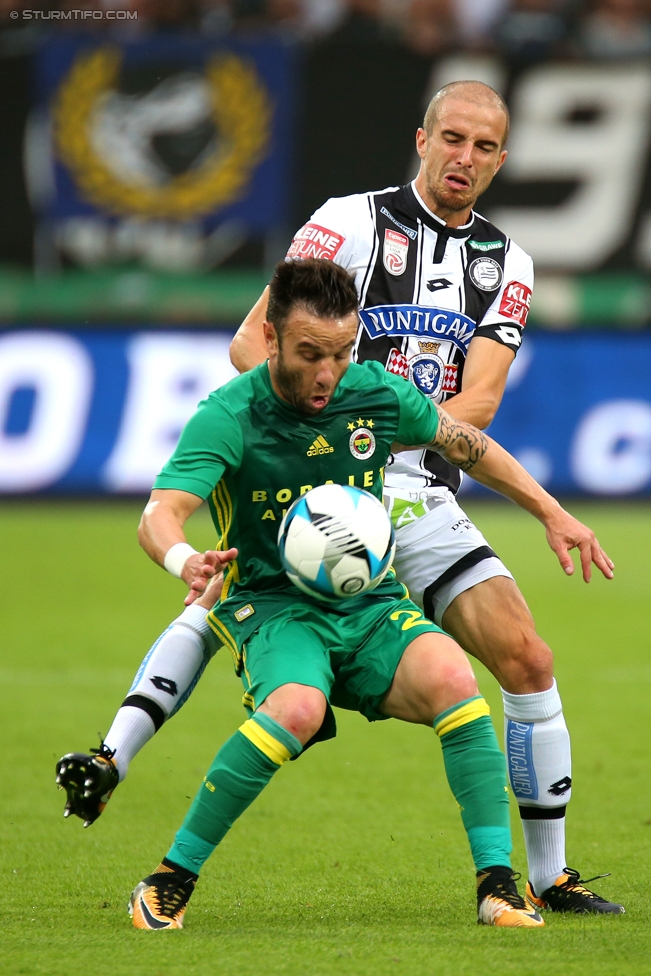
x=88, y=108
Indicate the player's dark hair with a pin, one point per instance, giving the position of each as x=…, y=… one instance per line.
x=322, y=288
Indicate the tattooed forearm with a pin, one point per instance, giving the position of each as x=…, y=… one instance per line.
x=461, y=444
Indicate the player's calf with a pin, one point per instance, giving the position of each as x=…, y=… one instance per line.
x=242, y=768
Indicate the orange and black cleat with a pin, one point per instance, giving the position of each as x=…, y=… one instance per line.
x=500, y=904
x=88, y=781
x=160, y=901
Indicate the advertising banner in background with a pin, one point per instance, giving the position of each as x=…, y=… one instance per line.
x=100, y=412
x=175, y=155
x=169, y=149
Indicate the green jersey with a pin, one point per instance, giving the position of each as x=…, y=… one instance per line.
x=251, y=454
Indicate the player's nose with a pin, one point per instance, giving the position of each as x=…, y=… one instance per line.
x=325, y=376
x=464, y=157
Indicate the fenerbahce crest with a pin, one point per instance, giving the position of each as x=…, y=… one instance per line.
x=184, y=148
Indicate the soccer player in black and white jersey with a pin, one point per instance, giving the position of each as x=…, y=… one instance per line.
x=444, y=297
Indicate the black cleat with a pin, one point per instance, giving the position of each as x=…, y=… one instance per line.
x=88, y=782
x=569, y=894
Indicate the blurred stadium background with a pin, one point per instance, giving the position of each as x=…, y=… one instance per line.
x=156, y=157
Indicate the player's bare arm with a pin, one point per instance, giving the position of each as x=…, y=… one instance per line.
x=474, y=452
x=484, y=378
x=161, y=528
x=477, y=454
x=460, y=443
x=248, y=348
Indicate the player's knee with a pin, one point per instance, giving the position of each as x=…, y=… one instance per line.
x=298, y=708
x=528, y=667
x=449, y=682
x=459, y=683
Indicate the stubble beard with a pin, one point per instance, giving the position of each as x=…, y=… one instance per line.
x=289, y=384
x=452, y=202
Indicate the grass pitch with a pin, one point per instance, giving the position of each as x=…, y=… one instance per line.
x=353, y=861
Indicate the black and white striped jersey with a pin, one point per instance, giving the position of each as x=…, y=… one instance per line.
x=425, y=290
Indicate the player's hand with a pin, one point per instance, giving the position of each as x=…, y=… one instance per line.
x=210, y=595
x=564, y=532
x=199, y=570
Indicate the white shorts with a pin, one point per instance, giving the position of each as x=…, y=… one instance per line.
x=439, y=552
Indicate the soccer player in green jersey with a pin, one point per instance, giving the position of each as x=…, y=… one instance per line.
x=249, y=450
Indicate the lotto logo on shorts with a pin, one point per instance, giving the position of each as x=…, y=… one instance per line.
x=516, y=301
x=313, y=241
x=398, y=364
x=450, y=379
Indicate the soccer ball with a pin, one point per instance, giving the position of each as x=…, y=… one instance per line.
x=336, y=542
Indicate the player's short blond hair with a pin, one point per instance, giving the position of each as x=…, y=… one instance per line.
x=470, y=91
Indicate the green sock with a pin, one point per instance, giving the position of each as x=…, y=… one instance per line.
x=240, y=771
x=476, y=772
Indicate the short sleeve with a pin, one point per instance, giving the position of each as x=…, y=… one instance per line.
x=507, y=316
x=342, y=231
x=419, y=417
x=210, y=445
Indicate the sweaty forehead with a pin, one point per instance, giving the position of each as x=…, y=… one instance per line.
x=303, y=328
x=482, y=115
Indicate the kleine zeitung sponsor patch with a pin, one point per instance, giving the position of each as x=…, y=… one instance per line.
x=314, y=241
x=516, y=302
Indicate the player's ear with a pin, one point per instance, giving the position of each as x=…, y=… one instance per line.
x=270, y=337
x=421, y=142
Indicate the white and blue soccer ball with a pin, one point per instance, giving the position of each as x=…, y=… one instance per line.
x=336, y=541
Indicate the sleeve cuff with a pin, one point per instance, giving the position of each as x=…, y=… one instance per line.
x=198, y=488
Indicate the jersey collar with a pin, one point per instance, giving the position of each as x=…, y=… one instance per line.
x=423, y=212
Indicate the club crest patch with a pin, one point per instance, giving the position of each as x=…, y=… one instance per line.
x=427, y=372
x=485, y=274
x=362, y=443
x=396, y=249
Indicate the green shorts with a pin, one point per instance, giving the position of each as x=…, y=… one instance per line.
x=351, y=659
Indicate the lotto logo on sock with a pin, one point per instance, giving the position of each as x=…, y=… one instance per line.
x=563, y=785
x=519, y=758
x=165, y=684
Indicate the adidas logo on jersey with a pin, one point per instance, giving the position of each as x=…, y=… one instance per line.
x=320, y=446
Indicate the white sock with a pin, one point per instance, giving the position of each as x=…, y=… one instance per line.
x=131, y=729
x=164, y=682
x=545, y=841
x=537, y=746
